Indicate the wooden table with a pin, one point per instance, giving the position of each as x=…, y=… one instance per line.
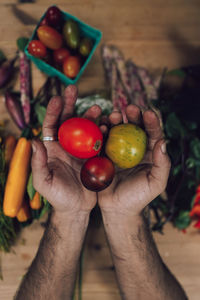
x=155, y=34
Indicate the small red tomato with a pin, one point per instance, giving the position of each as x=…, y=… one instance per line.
x=37, y=49
x=54, y=16
x=97, y=173
x=80, y=137
x=60, y=55
x=50, y=37
x=71, y=66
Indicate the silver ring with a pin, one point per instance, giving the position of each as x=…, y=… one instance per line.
x=49, y=138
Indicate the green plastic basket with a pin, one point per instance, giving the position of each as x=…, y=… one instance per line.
x=85, y=30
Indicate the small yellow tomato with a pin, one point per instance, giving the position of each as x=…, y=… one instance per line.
x=126, y=145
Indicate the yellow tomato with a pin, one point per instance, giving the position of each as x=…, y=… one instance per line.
x=126, y=145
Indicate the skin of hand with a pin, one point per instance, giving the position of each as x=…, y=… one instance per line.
x=140, y=271
x=52, y=273
x=132, y=189
x=55, y=173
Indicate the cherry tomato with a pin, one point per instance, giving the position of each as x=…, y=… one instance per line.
x=97, y=173
x=37, y=49
x=71, y=66
x=60, y=55
x=44, y=21
x=126, y=145
x=54, y=16
x=80, y=137
x=50, y=37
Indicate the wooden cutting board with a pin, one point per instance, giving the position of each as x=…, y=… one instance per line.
x=154, y=34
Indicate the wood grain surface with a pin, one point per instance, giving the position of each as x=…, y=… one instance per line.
x=154, y=34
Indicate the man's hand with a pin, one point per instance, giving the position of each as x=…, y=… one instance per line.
x=140, y=271
x=56, y=177
x=55, y=173
x=133, y=189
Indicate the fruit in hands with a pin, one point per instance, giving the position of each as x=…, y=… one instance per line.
x=71, y=34
x=51, y=38
x=126, y=145
x=60, y=55
x=97, y=173
x=53, y=16
x=71, y=66
x=80, y=137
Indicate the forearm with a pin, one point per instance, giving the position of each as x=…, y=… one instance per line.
x=53, y=271
x=140, y=271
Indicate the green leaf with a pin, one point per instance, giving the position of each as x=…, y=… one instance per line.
x=21, y=43
x=30, y=189
x=173, y=126
x=183, y=220
x=2, y=56
x=177, y=72
x=176, y=170
x=40, y=112
x=46, y=208
x=195, y=147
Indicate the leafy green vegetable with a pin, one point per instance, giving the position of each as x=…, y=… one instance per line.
x=173, y=126
x=183, y=220
x=21, y=43
x=2, y=56
x=40, y=112
x=30, y=189
x=177, y=72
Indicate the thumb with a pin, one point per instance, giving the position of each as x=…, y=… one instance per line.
x=161, y=167
x=40, y=170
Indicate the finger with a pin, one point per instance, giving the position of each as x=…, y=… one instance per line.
x=153, y=128
x=93, y=113
x=115, y=118
x=104, y=129
x=41, y=174
x=69, y=99
x=133, y=114
x=52, y=116
x=160, y=169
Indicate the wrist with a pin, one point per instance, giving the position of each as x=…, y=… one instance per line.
x=64, y=221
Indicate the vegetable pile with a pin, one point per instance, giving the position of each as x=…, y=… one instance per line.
x=60, y=43
x=127, y=83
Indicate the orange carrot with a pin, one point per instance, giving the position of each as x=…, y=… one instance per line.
x=35, y=203
x=17, y=178
x=10, y=144
x=24, y=213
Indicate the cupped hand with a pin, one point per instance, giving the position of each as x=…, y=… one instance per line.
x=132, y=189
x=55, y=173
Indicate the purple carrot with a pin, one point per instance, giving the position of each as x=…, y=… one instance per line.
x=119, y=99
x=6, y=71
x=15, y=110
x=148, y=84
x=137, y=89
x=107, y=63
x=24, y=67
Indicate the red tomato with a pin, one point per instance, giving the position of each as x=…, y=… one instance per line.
x=44, y=21
x=97, y=173
x=37, y=49
x=71, y=66
x=54, y=16
x=50, y=37
x=80, y=137
x=60, y=55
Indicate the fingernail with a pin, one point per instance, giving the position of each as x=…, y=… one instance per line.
x=163, y=148
x=33, y=147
